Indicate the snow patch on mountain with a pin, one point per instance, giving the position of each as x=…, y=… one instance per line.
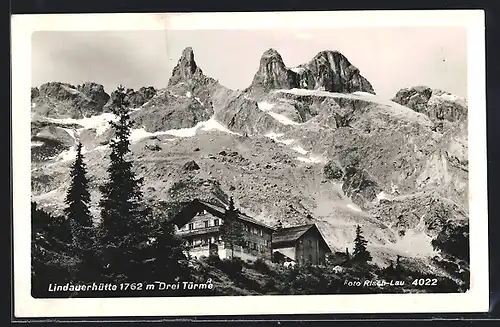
x=212, y=124
x=267, y=106
x=300, y=149
x=99, y=122
x=276, y=137
x=354, y=207
x=396, y=109
x=209, y=125
x=69, y=154
x=311, y=159
x=297, y=70
x=72, y=132
x=383, y=196
x=363, y=93
x=282, y=119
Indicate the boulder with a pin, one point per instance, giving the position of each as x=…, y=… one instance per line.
x=191, y=165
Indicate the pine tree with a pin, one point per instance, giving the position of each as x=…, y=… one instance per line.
x=360, y=252
x=125, y=219
x=77, y=201
x=169, y=260
x=232, y=229
x=80, y=220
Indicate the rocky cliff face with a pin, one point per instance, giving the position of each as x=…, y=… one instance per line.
x=186, y=69
x=332, y=71
x=437, y=104
x=273, y=74
x=324, y=153
x=63, y=100
x=188, y=79
x=328, y=70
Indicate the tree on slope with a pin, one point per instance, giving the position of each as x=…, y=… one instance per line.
x=126, y=221
x=80, y=220
x=361, y=253
x=169, y=261
x=232, y=229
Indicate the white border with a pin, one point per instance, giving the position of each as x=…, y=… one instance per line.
x=476, y=300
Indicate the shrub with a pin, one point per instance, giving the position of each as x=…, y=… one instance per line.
x=231, y=266
x=213, y=260
x=261, y=266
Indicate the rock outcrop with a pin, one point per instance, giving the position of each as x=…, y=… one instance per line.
x=242, y=114
x=166, y=111
x=186, y=69
x=63, y=100
x=141, y=96
x=331, y=71
x=328, y=70
x=273, y=74
x=437, y=104
x=188, y=79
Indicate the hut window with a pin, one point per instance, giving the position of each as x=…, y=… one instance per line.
x=206, y=223
x=216, y=222
x=191, y=226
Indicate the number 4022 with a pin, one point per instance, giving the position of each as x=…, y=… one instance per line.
x=425, y=282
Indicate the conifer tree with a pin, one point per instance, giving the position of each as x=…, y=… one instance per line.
x=77, y=202
x=232, y=229
x=125, y=219
x=360, y=252
x=80, y=220
x=169, y=260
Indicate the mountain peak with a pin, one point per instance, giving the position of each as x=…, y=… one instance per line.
x=271, y=52
x=186, y=68
x=188, y=54
x=329, y=70
x=327, y=52
x=272, y=73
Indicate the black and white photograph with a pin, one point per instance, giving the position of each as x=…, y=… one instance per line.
x=274, y=162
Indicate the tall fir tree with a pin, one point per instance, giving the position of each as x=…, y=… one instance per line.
x=232, y=229
x=80, y=220
x=361, y=253
x=77, y=203
x=125, y=219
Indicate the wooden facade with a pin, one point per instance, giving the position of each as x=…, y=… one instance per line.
x=199, y=223
x=300, y=244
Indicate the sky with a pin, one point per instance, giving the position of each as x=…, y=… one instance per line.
x=391, y=58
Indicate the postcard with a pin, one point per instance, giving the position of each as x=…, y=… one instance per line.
x=203, y=164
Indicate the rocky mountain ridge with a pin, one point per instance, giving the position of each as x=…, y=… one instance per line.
x=328, y=70
x=334, y=154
